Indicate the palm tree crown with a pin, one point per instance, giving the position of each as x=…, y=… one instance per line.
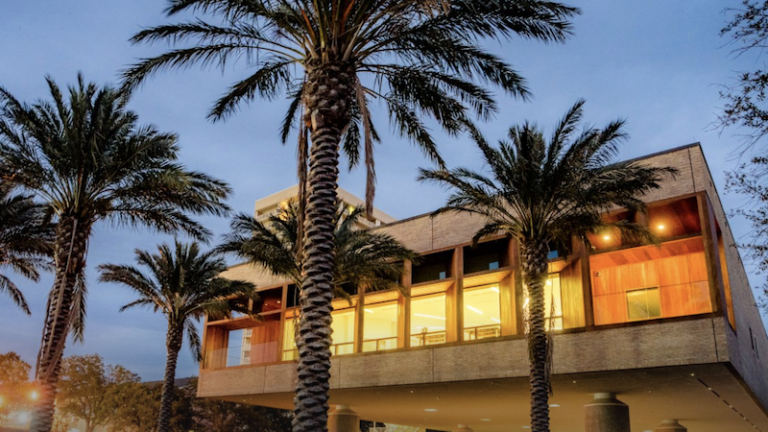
x=543, y=194
x=86, y=159
x=417, y=57
x=25, y=240
x=183, y=284
x=362, y=258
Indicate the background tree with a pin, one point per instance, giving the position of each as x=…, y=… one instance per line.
x=362, y=258
x=87, y=389
x=87, y=159
x=212, y=415
x=15, y=387
x=25, y=240
x=418, y=58
x=138, y=408
x=183, y=284
x=542, y=194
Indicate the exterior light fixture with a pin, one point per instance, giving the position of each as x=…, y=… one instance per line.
x=660, y=226
x=34, y=395
x=606, y=237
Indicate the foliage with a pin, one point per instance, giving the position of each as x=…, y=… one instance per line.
x=745, y=100
x=15, y=387
x=543, y=193
x=87, y=389
x=418, y=58
x=25, y=240
x=361, y=257
x=138, y=408
x=749, y=180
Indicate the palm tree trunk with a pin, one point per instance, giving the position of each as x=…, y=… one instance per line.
x=69, y=254
x=327, y=101
x=534, y=267
x=173, y=345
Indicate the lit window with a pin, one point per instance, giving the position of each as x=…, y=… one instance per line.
x=643, y=304
x=289, y=340
x=428, y=320
x=553, y=302
x=343, y=336
x=380, y=326
x=482, y=313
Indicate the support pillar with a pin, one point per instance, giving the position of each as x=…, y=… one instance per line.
x=670, y=426
x=343, y=419
x=606, y=414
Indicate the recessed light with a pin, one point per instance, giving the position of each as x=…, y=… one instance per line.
x=485, y=419
x=606, y=237
x=554, y=406
x=369, y=311
x=660, y=226
x=430, y=409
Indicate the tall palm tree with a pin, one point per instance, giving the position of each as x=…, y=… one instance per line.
x=334, y=58
x=25, y=240
x=86, y=159
x=183, y=284
x=362, y=258
x=543, y=194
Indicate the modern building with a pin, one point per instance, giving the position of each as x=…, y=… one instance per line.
x=669, y=332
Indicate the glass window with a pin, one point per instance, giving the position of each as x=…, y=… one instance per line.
x=643, y=304
x=482, y=313
x=289, y=340
x=428, y=320
x=432, y=267
x=380, y=326
x=553, y=302
x=677, y=270
x=485, y=256
x=235, y=348
x=343, y=335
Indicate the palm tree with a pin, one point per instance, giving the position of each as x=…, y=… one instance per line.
x=362, y=258
x=184, y=285
x=543, y=194
x=86, y=159
x=334, y=57
x=25, y=240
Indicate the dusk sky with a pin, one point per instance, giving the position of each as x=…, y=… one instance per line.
x=657, y=63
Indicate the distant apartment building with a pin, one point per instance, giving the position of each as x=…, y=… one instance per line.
x=669, y=332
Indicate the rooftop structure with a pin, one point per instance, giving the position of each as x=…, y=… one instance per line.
x=672, y=331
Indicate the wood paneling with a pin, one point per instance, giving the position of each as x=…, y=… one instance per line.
x=264, y=340
x=678, y=269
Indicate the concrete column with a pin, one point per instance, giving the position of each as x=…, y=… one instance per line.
x=606, y=414
x=463, y=428
x=670, y=426
x=343, y=419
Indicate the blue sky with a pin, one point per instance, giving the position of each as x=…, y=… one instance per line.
x=657, y=63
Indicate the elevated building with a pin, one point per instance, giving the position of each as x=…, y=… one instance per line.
x=671, y=331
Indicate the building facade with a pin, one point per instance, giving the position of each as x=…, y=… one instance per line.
x=671, y=331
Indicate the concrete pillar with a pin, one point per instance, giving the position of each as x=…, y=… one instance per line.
x=463, y=428
x=670, y=426
x=606, y=414
x=343, y=419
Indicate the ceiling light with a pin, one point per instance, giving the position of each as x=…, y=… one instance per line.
x=474, y=310
x=430, y=409
x=554, y=406
x=429, y=316
x=495, y=289
x=485, y=419
x=369, y=311
x=496, y=320
x=549, y=282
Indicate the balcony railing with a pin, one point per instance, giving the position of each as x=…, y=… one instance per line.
x=381, y=344
x=432, y=338
x=482, y=332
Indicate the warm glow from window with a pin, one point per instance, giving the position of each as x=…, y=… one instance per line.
x=343, y=336
x=482, y=313
x=380, y=327
x=428, y=320
x=551, y=304
x=289, y=340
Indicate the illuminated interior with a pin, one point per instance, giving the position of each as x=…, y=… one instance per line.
x=289, y=340
x=428, y=320
x=380, y=326
x=553, y=302
x=650, y=282
x=482, y=313
x=343, y=327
